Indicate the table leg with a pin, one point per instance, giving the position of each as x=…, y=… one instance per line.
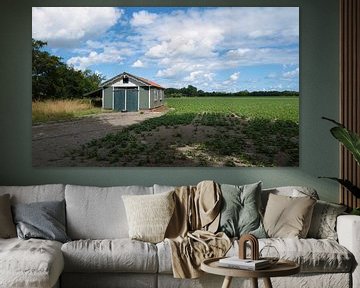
x=227, y=282
x=267, y=283
x=254, y=282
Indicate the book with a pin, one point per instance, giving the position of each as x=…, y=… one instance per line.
x=236, y=262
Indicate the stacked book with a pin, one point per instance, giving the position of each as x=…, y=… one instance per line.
x=248, y=264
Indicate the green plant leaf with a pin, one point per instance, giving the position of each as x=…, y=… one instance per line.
x=347, y=184
x=348, y=138
x=355, y=211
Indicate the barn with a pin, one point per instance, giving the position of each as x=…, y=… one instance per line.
x=127, y=92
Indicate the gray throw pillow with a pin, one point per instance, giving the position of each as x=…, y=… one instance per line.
x=44, y=220
x=323, y=222
x=7, y=227
x=240, y=213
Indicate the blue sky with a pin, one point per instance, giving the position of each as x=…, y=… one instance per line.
x=213, y=48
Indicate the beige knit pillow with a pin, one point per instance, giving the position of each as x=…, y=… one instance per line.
x=288, y=217
x=149, y=215
x=7, y=226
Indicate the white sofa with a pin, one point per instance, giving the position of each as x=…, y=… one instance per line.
x=101, y=254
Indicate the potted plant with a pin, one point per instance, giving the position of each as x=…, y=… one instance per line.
x=351, y=141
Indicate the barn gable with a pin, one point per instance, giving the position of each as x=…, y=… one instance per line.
x=132, y=79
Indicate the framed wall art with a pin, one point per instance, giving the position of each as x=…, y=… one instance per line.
x=165, y=86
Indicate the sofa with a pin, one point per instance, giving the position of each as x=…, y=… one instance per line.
x=100, y=253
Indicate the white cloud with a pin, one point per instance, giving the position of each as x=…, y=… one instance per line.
x=240, y=52
x=258, y=56
x=143, y=18
x=109, y=55
x=235, y=76
x=291, y=74
x=199, y=77
x=97, y=52
x=138, y=64
x=63, y=26
x=184, y=42
x=180, y=68
x=232, y=79
x=233, y=28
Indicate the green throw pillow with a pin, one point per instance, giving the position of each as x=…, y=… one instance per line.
x=240, y=213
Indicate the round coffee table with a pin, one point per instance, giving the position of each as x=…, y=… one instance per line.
x=281, y=268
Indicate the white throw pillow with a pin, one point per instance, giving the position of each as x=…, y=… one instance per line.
x=149, y=215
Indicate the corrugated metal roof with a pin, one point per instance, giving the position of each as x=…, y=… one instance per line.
x=151, y=83
x=140, y=79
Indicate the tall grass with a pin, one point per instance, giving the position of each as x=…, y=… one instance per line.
x=53, y=110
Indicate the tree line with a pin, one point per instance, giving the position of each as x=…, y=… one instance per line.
x=192, y=91
x=54, y=79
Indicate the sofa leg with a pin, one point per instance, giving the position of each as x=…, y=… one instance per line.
x=227, y=282
x=267, y=282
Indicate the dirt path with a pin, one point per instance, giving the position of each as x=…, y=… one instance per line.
x=50, y=142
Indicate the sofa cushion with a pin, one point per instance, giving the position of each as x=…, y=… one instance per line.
x=35, y=193
x=117, y=255
x=313, y=255
x=43, y=220
x=287, y=216
x=149, y=215
x=291, y=191
x=240, y=210
x=30, y=263
x=163, y=188
x=323, y=222
x=109, y=280
x=164, y=257
x=98, y=213
x=7, y=226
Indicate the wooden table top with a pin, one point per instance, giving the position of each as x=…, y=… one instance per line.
x=281, y=268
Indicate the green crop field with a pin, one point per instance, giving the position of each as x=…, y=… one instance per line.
x=282, y=108
x=206, y=131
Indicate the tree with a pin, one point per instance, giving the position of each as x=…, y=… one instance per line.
x=192, y=91
x=52, y=78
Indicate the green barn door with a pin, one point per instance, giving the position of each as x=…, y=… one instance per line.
x=132, y=100
x=119, y=99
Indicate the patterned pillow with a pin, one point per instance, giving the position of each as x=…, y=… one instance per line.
x=240, y=213
x=149, y=215
x=323, y=222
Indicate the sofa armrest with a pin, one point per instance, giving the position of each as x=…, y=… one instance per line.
x=348, y=230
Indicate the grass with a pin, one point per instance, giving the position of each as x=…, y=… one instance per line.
x=212, y=131
x=55, y=110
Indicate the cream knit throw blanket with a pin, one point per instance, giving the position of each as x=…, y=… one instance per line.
x=191, y=231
